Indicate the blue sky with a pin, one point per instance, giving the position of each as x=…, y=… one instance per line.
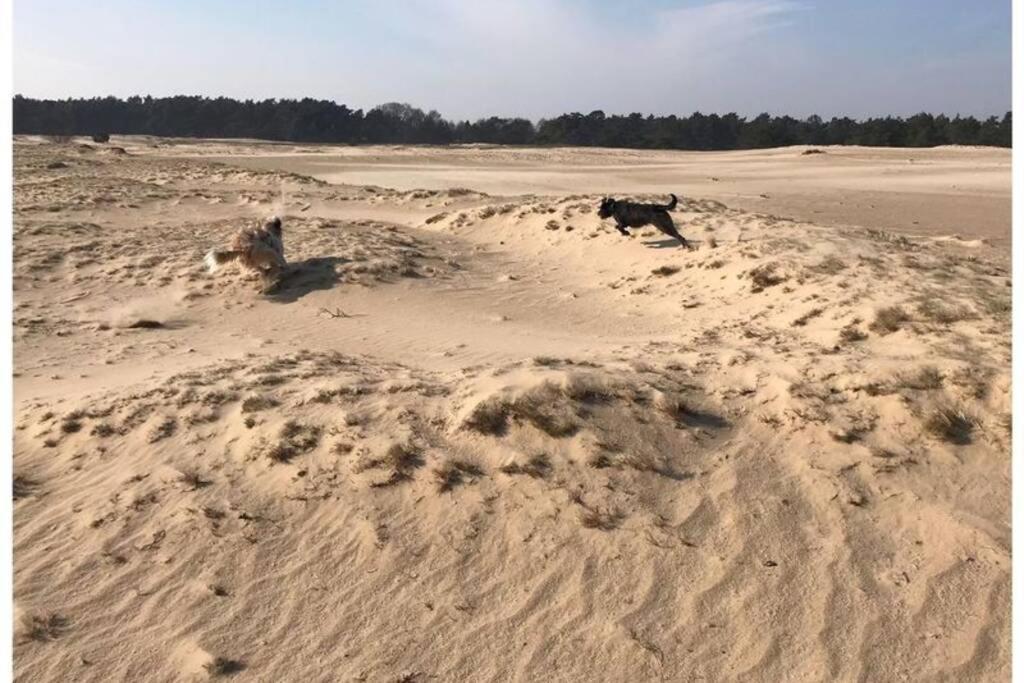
x=534, y=58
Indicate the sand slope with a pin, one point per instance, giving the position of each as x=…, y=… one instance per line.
x=483, y=437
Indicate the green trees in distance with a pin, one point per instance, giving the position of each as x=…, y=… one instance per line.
x=310, y=120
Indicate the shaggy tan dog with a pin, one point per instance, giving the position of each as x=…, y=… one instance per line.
x=260, y=248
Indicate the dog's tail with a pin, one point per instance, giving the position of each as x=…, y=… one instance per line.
x=672, y=204
x=215, y=258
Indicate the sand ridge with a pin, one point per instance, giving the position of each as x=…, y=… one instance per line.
x=481, y=436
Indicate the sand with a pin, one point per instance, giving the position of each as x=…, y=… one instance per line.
x=476, y=434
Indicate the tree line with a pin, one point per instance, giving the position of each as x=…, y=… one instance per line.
x=310, y=120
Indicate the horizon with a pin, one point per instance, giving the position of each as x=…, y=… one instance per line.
x=781, y=57
x=534, y=121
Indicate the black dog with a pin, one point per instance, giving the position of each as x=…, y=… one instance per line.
x=634, y=215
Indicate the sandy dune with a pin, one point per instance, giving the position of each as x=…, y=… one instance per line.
x=478, y=435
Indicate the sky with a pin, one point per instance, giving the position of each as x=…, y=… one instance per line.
x=532, y=58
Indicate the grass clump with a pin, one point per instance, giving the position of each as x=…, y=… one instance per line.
x=193, y=478
x=889, y=319
x=765, y=276
x=44, y=628
x=604, y=520
x=23, y=486
x=851, y=334
x=488, y=417
x=923, y=379
x=537, y=466
x=950, y=423
x=401, y=459
x=454, y=472
x=944, y=314
x=220, y=667
x=665, y=271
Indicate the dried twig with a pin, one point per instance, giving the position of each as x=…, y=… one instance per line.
x=337, y=313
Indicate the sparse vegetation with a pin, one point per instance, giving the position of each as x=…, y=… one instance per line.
x=537, y=466
x=888, y=320
x=23, y=486
x=605, y=520
x=43, y=628
x=851, y=333
x=454, y=472
x=950, y=423
x=765, y=276
x=163, y=429
x=926, y=378
x=490, y=416
x=666, y=270
x=193, y=478
x=946, y=314
x=830, y=265
x=220, y=667
x=103, y=429
x=806, y=317
x=293, y=440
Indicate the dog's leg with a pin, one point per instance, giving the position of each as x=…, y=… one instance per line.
x=666, y=225
x=621, y=228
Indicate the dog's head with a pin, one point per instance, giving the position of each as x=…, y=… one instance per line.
x=606, y=208
x=273, y=225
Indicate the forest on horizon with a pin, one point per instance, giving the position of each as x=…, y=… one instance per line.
x=311, y=120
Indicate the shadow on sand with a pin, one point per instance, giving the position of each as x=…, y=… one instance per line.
x=308, y=275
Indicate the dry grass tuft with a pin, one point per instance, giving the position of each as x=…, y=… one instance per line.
x=851, y=333
x=454, y=472
x=401, y=459
x=163, y=429
x=938, y=312
x=294, y=439
x=544, y=408
x=490, y=416
x=537, y=466
x=665, y=271
x=923, y=379
x=809, y=315
x=888, y=320
x=605, y=520
x=765, y=276
x=254, y=404
x=950, y=423
x=103, y=429
x=220, y=667
x=23, y=487
x=193, y=478
x=41, y=629
x=830, y=265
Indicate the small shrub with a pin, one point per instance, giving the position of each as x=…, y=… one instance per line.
x=924, y=379
x=453, y=473
x=193, y=478
x=488, y=417
x=945, y=314
x=538, y=466
x=888, y=320
x=950, y=424
x=665, y=271
x=765, y=276
x=605, y=520
x=44, y=628
x=851, y=333
x=221, y=667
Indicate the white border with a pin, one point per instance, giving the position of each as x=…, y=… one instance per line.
x=1017, y=467
x=6, y=337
